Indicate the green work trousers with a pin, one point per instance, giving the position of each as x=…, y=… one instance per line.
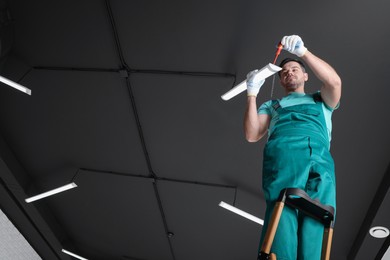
x=297, y=161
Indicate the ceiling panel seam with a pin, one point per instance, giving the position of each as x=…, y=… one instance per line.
x=164, y=219
x=154, y=178
x=140, y=71
x=116, y=35
x=129, y=88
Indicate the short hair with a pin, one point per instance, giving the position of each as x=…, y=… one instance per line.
x=286, y=60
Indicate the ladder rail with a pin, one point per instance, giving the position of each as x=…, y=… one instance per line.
x=299, y=199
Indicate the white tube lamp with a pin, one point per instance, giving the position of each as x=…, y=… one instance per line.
x=262, y=73
x=52, y=192
x=73, y=254
x=241, y=213
x=15, y=85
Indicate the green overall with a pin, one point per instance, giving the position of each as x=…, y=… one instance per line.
x=297, y=156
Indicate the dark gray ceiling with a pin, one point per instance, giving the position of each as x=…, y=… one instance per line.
x=126, y=102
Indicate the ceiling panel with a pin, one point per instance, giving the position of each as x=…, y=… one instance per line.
x=178, y=42
x=190, y=131
x=125, y=219
x=72, y=119
x=64, y=33
x=202, y=229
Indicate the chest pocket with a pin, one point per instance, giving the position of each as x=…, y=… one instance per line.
x=301, y=114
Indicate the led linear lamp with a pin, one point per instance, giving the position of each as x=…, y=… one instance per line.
x=15, y=85
x=73, y=254
x=262, y=73
x=241, y=213
x=52, y=192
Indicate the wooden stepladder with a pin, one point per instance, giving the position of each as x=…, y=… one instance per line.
x=300, y=200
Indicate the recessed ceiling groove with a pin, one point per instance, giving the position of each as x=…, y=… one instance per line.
x=140, y=71
x=75, y=69
x=138, y=121
x=164, y=219
x=153, y=179
x=184, y=73
x=116, y=35
x=139, y=127
x=131, y=95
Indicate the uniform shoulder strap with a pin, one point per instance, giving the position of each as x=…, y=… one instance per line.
x=275, y=104
x=317, y=97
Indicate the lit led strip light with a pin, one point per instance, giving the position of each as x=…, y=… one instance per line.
x=52, y=192
x=241, y=213
x=15, y=85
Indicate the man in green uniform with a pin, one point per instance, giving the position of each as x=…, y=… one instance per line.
x=297, y=151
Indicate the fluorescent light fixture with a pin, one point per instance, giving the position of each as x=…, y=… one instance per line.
x=241, y=213
x=15, y=85
x=52, y=192
x=263, y=73
x=73, y=254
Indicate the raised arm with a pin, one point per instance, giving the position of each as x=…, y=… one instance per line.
x=331, y=88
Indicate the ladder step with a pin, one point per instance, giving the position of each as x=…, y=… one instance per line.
x=300, y=200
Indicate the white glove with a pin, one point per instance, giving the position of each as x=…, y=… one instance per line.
x=253, y=83
x=294, y=45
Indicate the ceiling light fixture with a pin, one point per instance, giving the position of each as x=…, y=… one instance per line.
x=379, y=232
x=241, y=213
x=15, y=85
x=73, y=254
x=52, y=192
x=263, y=73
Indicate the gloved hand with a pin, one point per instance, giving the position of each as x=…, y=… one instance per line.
x=294, y=45
x=253, y=83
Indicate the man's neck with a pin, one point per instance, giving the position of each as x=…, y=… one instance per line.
x=298, y=90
